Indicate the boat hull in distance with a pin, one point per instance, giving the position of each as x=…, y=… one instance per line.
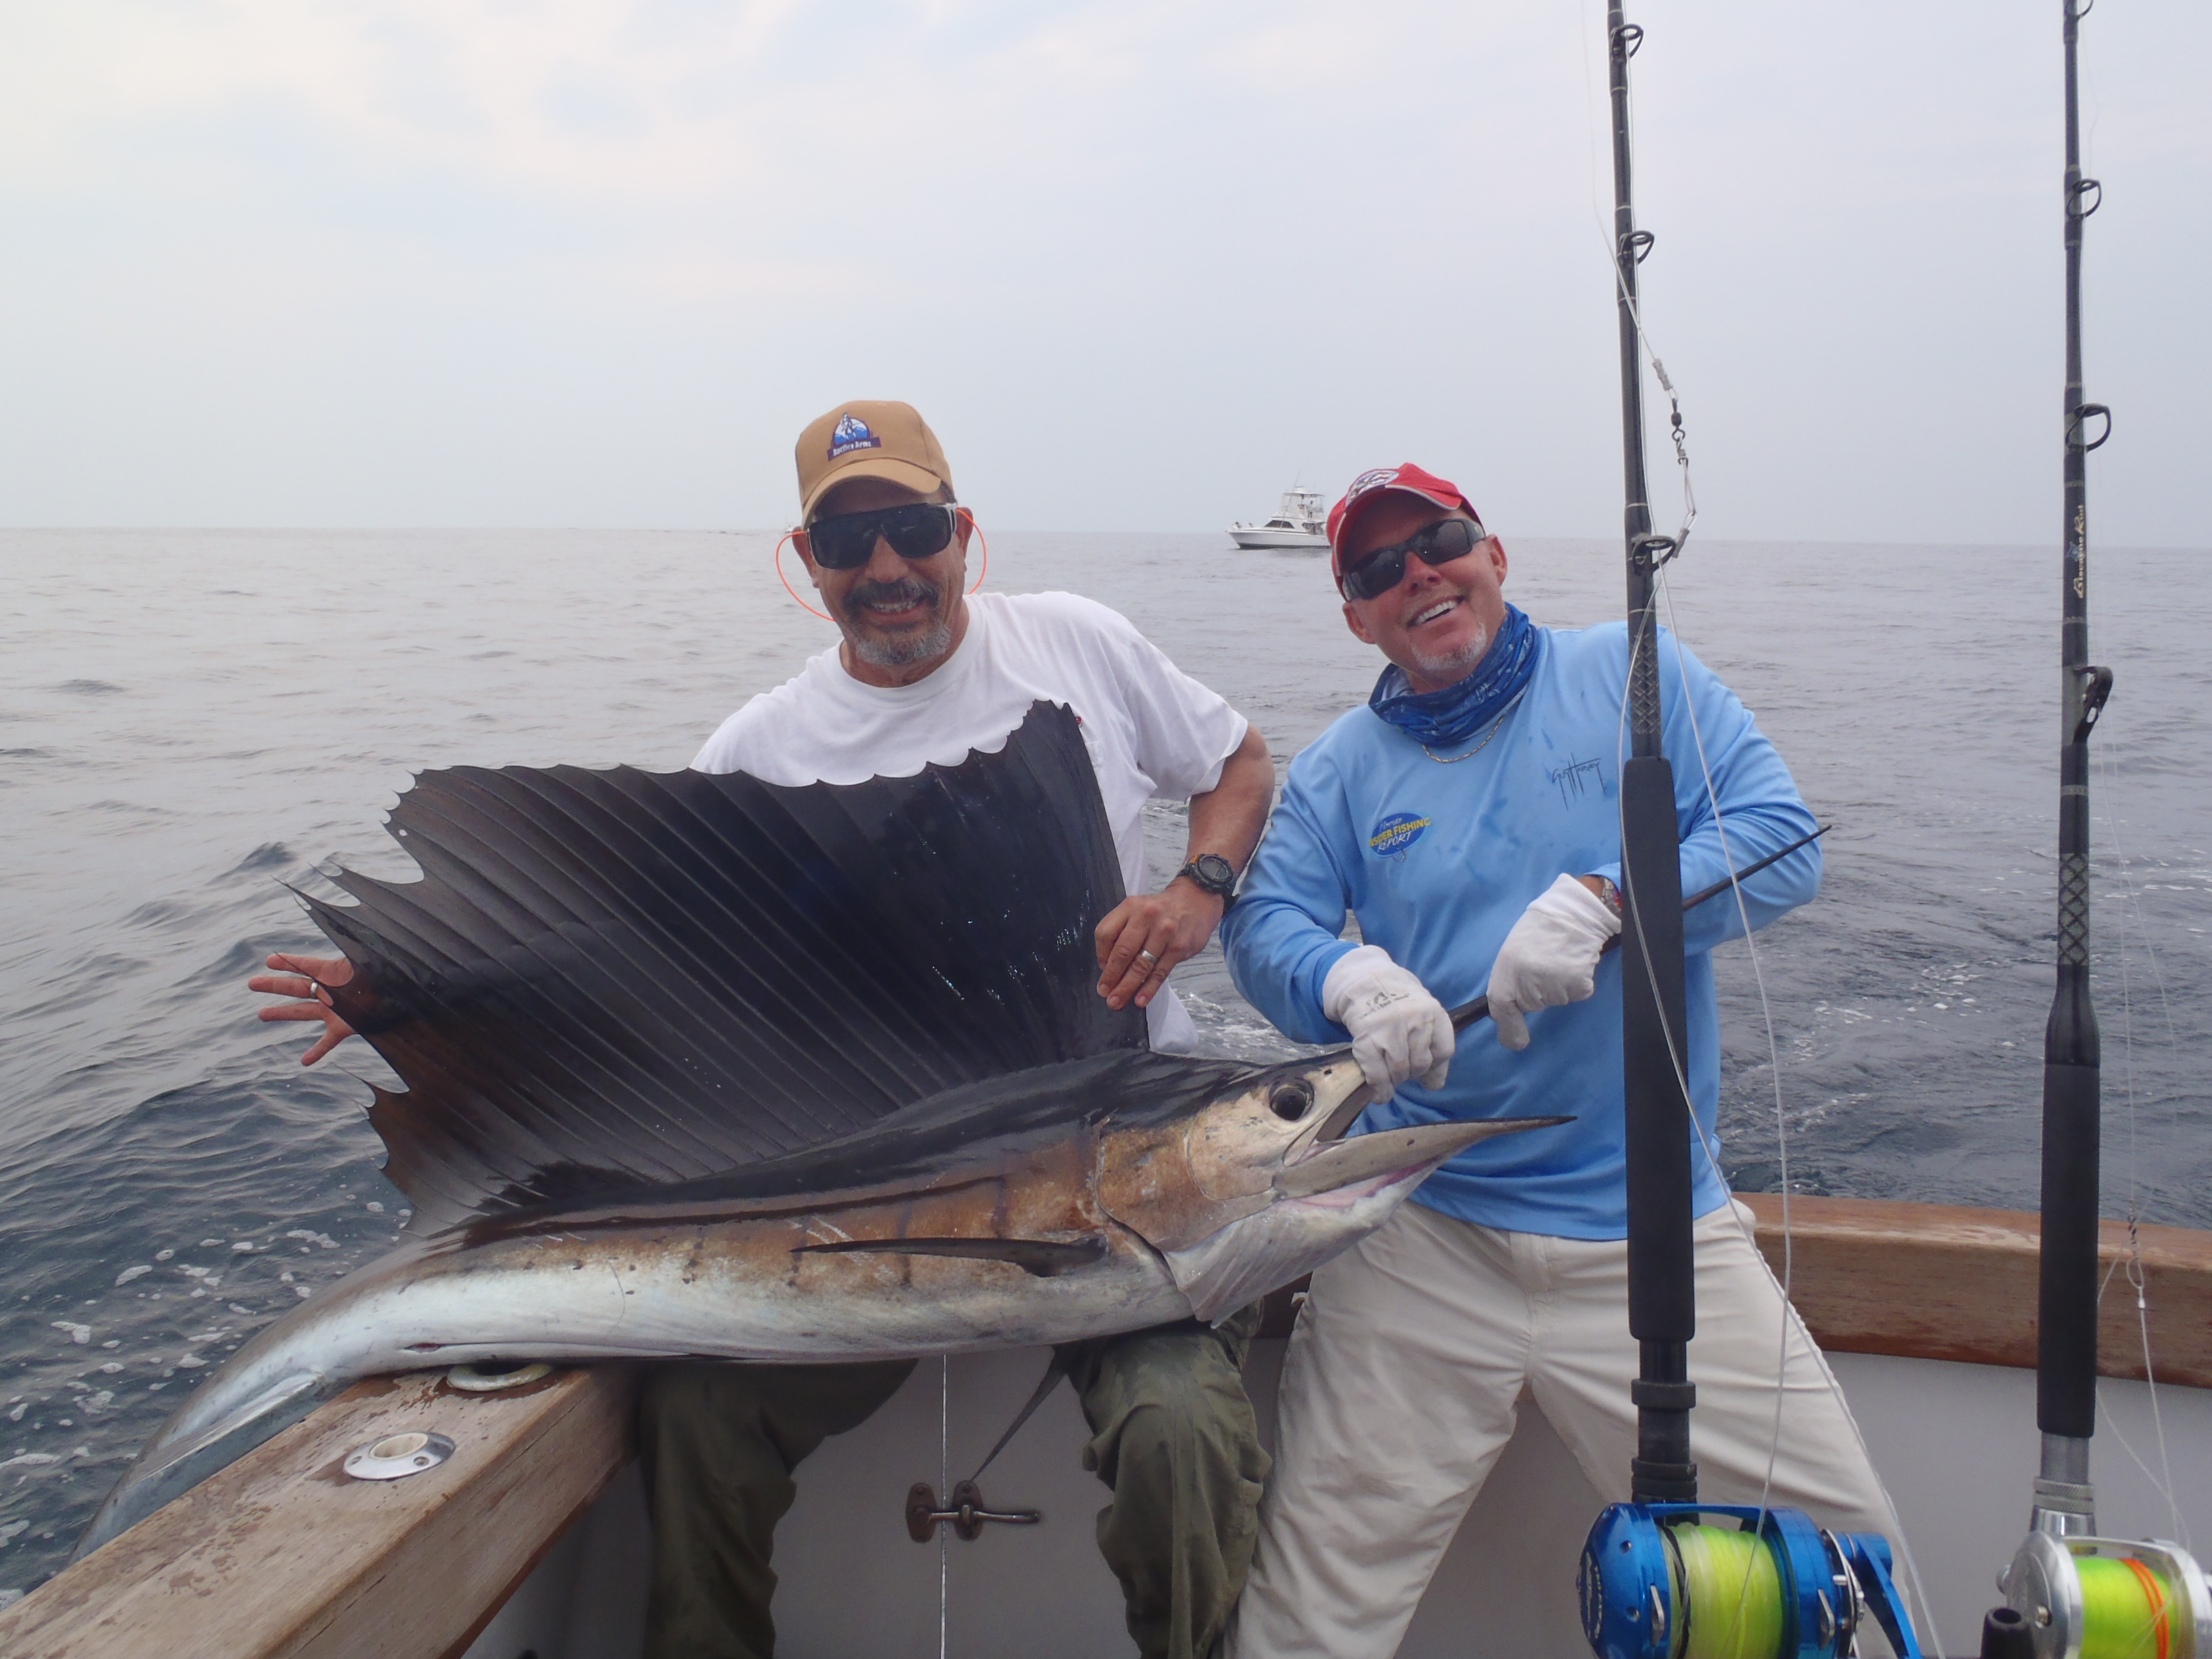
x=1259, y=536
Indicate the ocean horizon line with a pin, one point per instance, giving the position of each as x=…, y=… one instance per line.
x=1772, y=543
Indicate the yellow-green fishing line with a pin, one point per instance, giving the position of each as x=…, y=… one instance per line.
x=2123, y=1609
x=1727, y=1595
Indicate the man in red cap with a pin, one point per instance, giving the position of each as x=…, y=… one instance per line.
x=1468, y=816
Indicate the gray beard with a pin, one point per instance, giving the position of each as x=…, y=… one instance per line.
x=902, y=650
x=1448, y=671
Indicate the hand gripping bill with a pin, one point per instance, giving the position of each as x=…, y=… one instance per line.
x=1550, y=957
x=1398, y=1030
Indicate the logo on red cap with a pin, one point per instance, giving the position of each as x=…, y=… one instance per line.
x=1405, y=475
x=1380, y=477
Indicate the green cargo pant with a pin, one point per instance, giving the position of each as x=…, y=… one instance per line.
x=1172, y=1435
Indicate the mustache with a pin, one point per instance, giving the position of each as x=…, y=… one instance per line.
x=900, y=595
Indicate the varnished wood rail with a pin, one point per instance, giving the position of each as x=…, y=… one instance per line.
x=1931, y=1281
x=282, y=1553
x=1934, y=1282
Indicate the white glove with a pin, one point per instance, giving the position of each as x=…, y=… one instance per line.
x=1550, y=957
x=1398, y=1030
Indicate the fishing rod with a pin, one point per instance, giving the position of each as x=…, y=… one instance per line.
x=2068, y=1592
x=1468, y=1013
x=1658, y=1578
x=1662, y=1293
x=2066, y=1341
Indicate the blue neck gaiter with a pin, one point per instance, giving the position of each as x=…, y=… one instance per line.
x=1459, y=711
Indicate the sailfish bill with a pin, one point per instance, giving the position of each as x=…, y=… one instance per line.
x=1387, y=1152
x=698, y=1066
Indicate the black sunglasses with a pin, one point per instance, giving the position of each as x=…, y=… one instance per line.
x=1385, y=568
x=918, y=531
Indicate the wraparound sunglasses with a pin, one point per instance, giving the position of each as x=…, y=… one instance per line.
x=1385, y=568
x=920, y=530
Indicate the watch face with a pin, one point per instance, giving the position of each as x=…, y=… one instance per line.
x=1215, y=868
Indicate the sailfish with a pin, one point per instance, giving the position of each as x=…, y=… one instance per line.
x=701, y=1066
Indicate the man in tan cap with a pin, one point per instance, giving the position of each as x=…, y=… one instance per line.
x=927, y=672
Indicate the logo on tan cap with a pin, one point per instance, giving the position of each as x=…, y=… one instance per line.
x=851, y=433
x=869, y=439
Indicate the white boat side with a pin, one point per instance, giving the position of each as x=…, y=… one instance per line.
x=1263, y=536
x=532, y=1538
x=1300, y=521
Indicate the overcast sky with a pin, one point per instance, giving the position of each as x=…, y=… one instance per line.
x=1141, y=263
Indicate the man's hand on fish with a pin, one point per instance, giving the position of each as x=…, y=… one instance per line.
x=1550, y=956
x=1398, y=1030
x=303, y=978
x=1143, y=939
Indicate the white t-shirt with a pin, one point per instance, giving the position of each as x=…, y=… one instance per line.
x=1152, y=730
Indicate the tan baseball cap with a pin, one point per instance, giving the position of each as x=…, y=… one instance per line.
x=869, y=439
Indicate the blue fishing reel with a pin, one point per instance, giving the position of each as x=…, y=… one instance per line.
x=1657, y=1582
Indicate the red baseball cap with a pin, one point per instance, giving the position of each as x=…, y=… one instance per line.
x=1368, y=486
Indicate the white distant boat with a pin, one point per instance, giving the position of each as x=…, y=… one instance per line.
x=1300, y=521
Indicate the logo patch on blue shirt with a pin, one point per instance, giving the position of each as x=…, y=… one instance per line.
x=1395, y=833
x=852, y=434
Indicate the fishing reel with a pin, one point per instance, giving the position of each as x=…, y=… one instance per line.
x=2109, y=1598
x=1659, y=1581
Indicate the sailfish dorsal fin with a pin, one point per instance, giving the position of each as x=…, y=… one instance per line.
x=606, y=978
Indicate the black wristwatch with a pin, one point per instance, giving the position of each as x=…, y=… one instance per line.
x=1210, y=872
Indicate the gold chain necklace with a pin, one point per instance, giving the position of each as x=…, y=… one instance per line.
x=1495, y=727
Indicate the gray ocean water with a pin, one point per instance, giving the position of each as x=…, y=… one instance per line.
x=190, y=719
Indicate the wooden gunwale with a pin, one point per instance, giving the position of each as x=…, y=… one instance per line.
x=281, y=1555
x=284, y=1554
x=1928, y=1281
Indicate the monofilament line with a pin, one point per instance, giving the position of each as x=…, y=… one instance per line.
x=2107, y=761
x=944, y=1487
x=1619, y=252
x=1918, y=1590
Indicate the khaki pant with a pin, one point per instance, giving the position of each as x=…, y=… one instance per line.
x=1172, y=1436
x=1399, y=1389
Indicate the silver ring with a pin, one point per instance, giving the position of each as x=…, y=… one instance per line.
x=1150, y=957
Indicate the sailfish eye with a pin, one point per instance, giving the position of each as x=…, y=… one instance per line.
x=1291, y=1101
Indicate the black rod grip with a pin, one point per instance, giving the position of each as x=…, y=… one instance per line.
x=2066, y=1308
x=1661, y=1300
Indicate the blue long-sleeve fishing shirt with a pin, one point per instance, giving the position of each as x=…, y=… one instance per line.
x=1438, y=862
